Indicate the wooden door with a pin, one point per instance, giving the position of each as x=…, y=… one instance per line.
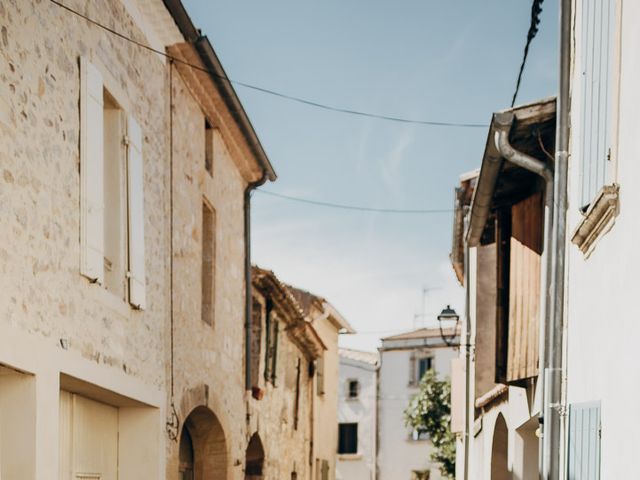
x=88, y=439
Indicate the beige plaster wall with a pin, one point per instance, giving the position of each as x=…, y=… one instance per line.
x=326, y=405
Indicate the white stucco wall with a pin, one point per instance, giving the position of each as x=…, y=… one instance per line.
x=398, y=454
x=361, y=410
x=602, y=308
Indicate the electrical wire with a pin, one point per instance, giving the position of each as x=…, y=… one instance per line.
x=352, y=207
x=292, y=98
x=536, y=10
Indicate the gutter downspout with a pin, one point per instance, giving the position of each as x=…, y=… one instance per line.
x=555, y=411
x=504, y=122
x=467, y=346
x=248, y=305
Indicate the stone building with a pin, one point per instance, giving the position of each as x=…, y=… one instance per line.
x=84, y=236
x=125, y=182
x=215, y=159
x=357, y=415
x=284, y=349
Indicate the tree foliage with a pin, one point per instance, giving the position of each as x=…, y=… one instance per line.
x=430, y=412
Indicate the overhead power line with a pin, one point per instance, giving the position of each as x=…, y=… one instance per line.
x=292, y=98
x=536, y=10
x=353, y=207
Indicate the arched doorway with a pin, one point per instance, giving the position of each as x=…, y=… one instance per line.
x=499, y=466
x=254, y=459
x=203, y=447
x=526, y=449
x=186, y=465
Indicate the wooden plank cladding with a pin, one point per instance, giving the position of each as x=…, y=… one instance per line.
x=524, y=288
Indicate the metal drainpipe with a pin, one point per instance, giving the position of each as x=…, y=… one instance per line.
x=248, y=306
x=467, y=370
x=555, y=415
x=504, y=122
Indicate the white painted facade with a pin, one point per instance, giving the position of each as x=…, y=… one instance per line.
x=398, y=453
x=360, y=367
x=602, y=310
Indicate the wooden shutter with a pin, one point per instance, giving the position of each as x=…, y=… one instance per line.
x=584, y=441
x=274, y=355
x=91, y=173
x=135, y=195
x=524, y=288
x=597, y=28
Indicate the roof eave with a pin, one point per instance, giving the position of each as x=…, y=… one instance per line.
x=492, y=162
x=220, y=79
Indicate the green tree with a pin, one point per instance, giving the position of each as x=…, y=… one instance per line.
x=430, y=412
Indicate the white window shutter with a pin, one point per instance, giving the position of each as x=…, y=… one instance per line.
x=135, y=189
x=91, y=173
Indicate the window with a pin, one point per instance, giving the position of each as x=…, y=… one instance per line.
x=257, y=319
x=348, y=438
x=424, y=364
x=112, y=250
x=597, y=45
x=296, y=407
x=114, y=194
x=420, y=363
x=353, y=389
x=208, y=263
x=420, y=474
x=417, y=435
x=208, y=146
x=271, y=353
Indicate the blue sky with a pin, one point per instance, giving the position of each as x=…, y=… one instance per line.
x=452, y=60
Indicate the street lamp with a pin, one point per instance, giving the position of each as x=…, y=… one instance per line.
x=447, y=314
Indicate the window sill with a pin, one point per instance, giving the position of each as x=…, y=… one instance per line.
x=110, y=300
x=597, y=219
x=349, y=456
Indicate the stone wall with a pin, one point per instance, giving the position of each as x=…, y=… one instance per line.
x=41, y=289
x=286, y=444
x=208, y=358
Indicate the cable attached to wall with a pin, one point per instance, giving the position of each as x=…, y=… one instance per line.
x=173, y=421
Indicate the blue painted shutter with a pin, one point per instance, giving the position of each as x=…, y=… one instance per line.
x=597, y=27
x=584, y=441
